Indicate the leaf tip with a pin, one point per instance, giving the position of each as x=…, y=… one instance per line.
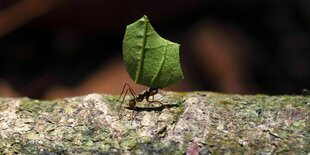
x=145, y=18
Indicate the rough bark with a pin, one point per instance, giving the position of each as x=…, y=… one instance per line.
x=192, y=123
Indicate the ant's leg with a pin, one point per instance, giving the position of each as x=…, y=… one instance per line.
x=124, y=95
x=122, y=91
x=148, y=100
x=133, y=93
x=119, y=109
x=134, y=106
x=132, y=115
x=126, y=84
x=132, y=103
x=159, y=92
x=153, y=96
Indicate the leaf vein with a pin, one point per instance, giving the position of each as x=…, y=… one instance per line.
x=161, y=63
x=139, y=70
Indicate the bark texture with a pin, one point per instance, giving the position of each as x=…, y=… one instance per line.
x=192, y=123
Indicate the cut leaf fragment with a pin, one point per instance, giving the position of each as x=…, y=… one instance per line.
x=150, y=59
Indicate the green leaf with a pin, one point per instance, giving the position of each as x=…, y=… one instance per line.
x=150, y=59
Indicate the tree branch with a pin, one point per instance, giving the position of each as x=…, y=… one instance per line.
x=198, y=122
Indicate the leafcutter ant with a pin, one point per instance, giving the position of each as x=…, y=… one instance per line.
x=138, y=98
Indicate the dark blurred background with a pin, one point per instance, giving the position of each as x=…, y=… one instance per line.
x=52, y=49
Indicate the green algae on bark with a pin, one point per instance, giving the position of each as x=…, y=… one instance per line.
x=198, y=122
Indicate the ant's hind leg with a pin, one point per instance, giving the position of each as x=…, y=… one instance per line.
x=120, y=106
x=126, y=84
x=124, y=94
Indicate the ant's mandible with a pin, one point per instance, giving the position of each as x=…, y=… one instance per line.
x=138, y=98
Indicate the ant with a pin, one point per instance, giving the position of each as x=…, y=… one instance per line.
x=138, y=98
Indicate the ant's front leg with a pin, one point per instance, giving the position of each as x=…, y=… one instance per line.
x=152, y=94
x=160, y=93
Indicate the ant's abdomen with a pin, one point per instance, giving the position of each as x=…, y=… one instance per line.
x=132, y=104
